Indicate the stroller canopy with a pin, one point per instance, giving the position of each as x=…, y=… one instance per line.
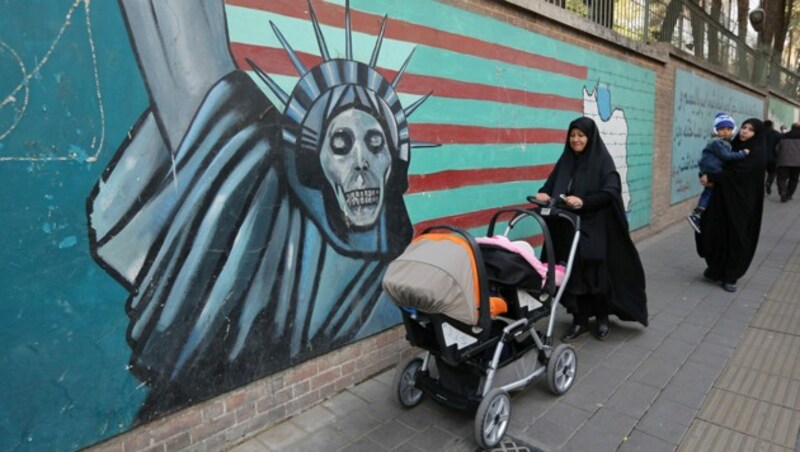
x=437, y=274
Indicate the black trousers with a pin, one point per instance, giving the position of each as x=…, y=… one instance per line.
x=587, y=306
x=771, y=169
x=787, y=181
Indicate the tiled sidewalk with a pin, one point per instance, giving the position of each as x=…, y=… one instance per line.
x=714, y=371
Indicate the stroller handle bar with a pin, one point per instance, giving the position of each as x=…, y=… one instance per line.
x=553, y=207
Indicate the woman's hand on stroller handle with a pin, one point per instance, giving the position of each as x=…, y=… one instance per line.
x=541, y=199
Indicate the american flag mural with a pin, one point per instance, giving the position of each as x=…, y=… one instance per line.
x=291, y=149
x=502, y=97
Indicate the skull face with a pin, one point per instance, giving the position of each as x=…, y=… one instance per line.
x=356, y=161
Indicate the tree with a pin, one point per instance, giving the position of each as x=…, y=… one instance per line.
x=777, y=15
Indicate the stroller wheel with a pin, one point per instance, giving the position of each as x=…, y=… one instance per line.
x=405, y=377
x=491, y=421
x=561, y=369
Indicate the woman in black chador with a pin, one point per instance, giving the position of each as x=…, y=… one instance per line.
x=732, y=221
x=607, y=275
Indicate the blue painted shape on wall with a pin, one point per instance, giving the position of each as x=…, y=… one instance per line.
x=67, y=103
x=697, y=101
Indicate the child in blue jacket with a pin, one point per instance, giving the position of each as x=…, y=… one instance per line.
x=715, y=154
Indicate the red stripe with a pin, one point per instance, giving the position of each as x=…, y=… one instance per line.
x=276, y=61
x=333, y=15
x=467, y=220
x=450, y=179
x=451, y=133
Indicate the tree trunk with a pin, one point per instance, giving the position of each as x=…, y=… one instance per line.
x=780, y=34
x=671, y=17
x=698, y=31
x=743, y=62
x=714, y=32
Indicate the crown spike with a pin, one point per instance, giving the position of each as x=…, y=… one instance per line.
x=374, y=60
x=402, y=70
x=270, y=83
x=348, y=32
x=298, y=65
x=323, y=48
x=410, y=109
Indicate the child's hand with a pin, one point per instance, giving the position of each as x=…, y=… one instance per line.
x=746, y=151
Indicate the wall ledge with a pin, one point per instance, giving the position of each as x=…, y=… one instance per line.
x=588, y=28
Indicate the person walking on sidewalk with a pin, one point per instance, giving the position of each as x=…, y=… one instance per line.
x=715, y=154
x=732, y=221
x=608, y=274
x=788, y=164
x=773, y=137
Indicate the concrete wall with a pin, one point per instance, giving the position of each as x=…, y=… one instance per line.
x=782, y=113
x=180, y=270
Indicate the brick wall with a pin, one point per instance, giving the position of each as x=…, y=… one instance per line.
x=241, y=413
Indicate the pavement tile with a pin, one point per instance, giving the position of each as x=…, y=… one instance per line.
x=324, y=439
x=599, y=349
x=356, y=424
x=711, y=353
x=343, y=403
x=754, y=417
x=639, y=441
x=568, y=415
x=314, y=419
x=390, y=409
x=667, y=420
x=673, y=352
x=699, y=376
x=650, y=338
x=458, y=423
x=552, y=434
x=432, y=439
x=587, y=362
x=282, y=435
x=390, y=434
x=531, y=403
x=774, y=389
x=250, y=446
x=632, y=398
x=707, y=437
x=667, y=320
x=728, y=324
x=628, y=357
x=595, y=388
x=418, y=418
x=654, y=372
x=593, y=438
x=362, y=445
x=372, y=391
x=689, y=397
x=689, y=333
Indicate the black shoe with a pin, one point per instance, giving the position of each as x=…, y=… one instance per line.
x=602, y=329
x=728, y=287
x=575, y=332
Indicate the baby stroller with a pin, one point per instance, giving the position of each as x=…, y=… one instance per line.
x=472, y=307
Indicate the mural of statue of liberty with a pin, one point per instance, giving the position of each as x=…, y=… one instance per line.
x=250, y=237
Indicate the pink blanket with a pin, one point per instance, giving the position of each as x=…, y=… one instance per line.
x=525, y=250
